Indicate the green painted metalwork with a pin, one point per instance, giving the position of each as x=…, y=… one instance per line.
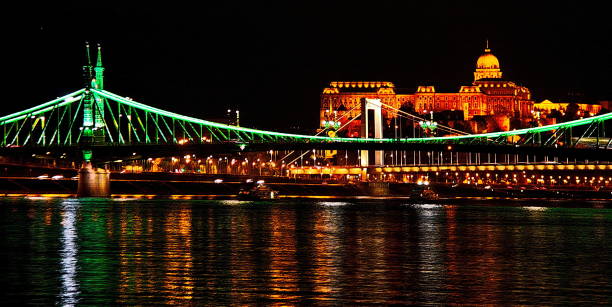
x=87, y=155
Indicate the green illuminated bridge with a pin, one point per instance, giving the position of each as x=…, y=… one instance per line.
x=93, y=119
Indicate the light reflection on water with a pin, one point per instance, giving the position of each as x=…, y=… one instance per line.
x=234, y=202
x=333, y=203
x=69, y=292
x=113, y=252
x=424, y=206
x=534, y=208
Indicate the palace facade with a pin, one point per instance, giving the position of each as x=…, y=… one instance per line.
x=488, y=95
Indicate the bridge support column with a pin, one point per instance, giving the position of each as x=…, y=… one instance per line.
x=93, y=182
x=376, y=106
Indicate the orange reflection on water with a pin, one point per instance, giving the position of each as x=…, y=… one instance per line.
x=137, y=240
x=283, y=264
x=178, y=276
x=476, y=246
x=48, y=215
x=452, y=249
x=488, y=260
x=326, y=247
x=241, y=263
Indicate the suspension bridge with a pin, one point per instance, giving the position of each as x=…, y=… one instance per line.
x=94, y=124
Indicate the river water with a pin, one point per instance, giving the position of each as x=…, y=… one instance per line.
x=150, y=252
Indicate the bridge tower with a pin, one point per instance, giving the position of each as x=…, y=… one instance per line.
x=88, y=101
x=93, y=182
x=99, y=69
x=98, y=83
x=375, y=106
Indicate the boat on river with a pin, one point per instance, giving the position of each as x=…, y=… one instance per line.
x=429, y=194
x=256, y=191
x=424, y=193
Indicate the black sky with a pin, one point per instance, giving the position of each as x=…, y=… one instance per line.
x=273, y=59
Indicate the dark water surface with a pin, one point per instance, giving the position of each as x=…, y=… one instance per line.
x=109, y=252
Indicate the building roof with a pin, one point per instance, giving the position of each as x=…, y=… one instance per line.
x=357, y=90
x=487, y=60
x=361, y=84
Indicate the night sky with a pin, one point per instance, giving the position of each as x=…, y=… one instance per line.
x=273, y=59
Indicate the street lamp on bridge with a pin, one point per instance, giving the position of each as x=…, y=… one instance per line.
x=429, y=126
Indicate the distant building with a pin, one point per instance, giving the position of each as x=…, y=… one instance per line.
x=605, y=104
x=584, y=109
x=488, y=95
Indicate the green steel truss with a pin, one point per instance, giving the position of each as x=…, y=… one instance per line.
x=98, y=117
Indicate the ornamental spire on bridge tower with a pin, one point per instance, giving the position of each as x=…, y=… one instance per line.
x=87, y=97
x=87, y=69
x=98, y=83
x=99, y=69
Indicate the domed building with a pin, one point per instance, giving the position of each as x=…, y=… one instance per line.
x=500, y=96
x=489, y=95
x=487, y=66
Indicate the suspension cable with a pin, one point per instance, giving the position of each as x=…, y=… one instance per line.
x=348, y=122
x=412, y=116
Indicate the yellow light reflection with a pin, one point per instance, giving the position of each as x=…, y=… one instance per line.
x=283, y=263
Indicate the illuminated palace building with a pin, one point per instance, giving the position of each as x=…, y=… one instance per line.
x=490, y=98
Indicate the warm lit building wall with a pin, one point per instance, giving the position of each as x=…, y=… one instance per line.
x=405, y=99
x=547, y=106
x=506, y=98
x=447, y=101
x=424, y=99
x=589, y=109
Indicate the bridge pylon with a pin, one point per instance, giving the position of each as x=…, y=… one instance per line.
x=93, y=182
x=374, y=105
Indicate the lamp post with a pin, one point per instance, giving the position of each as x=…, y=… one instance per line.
x=429, y=126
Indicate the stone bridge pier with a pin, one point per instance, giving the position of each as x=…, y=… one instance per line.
x=93, y=182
